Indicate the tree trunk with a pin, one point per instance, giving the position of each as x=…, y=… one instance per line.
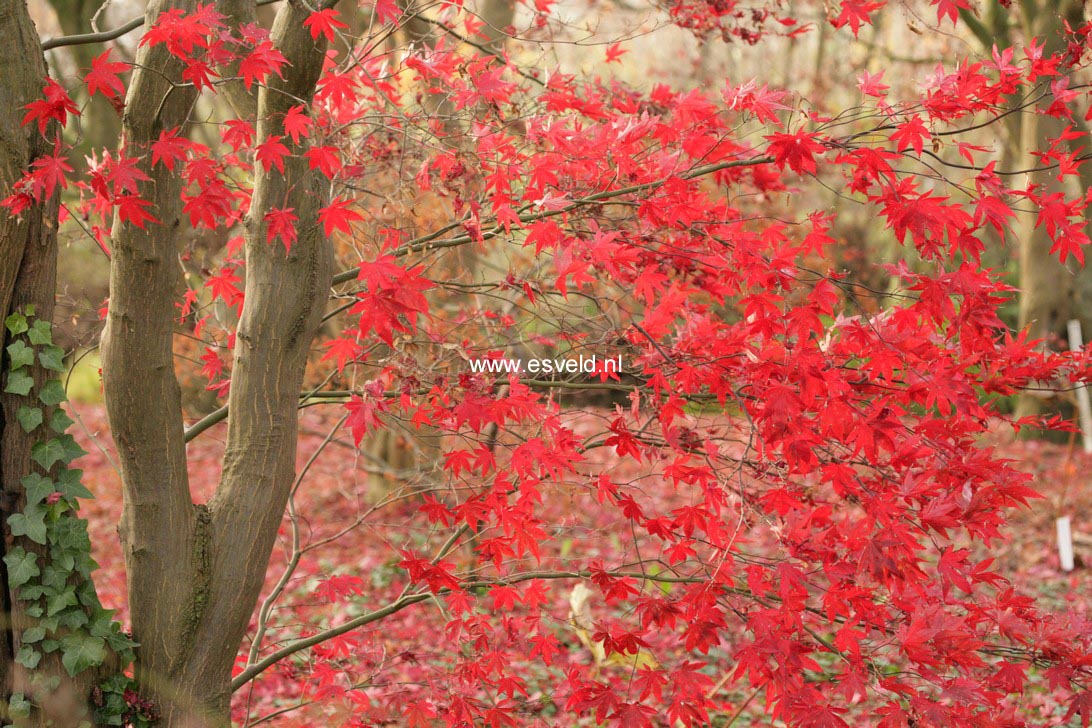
x=1051, y=293
x=28, y=266
x=195, y=571
x=285, y=299
x=161, y=530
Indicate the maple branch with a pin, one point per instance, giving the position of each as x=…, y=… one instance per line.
x=219, y=415
x=297, y=550
x=425, y=242
x=483, y=47
x=107, y=35
x=397, y=605
x=257, y=668
x=401, y=603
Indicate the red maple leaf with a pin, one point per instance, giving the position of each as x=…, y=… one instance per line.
x=271, y=153
x=325, y=159
x=103, y=76
x=950, y=9
x=55, y=105
x=795, y=150
x=336, y=217
x=335, y=588
x=239, y=133
x=419, y=713
x=133, y=210
x=911, y=134
x=856, y=14
x=281, y=224
x=51, y=172
x=324, y=22
x=260, y=62
x=615, y=53
x=387, y=10
x=297, y=123
x=169, y=149
x=363, y=414
x=343, y=349
x=1081, y=705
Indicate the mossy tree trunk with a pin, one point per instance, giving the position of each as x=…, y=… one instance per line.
x=28, y=268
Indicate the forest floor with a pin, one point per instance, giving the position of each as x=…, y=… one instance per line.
x=349, y=565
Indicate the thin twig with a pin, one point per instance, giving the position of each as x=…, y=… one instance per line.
x=107, y=35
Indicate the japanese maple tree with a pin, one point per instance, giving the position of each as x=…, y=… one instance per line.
x=789, y=491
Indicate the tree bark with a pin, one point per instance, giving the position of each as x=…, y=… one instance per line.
x=160, y=526
x=28, y=268
x=285, y=298
x=195, y=571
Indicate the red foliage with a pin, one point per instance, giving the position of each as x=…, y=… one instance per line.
x=795, y=496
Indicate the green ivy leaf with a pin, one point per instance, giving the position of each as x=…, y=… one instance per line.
x=28, y=657
x=37, y=488
x=59, y=602
x=60, y=421
x=103, y=625
x=33, y=634
x=52, y=392
x=19, y=706
x=68, y=483
x=119, y=642
x=29, y=418
x=73, y=619
x=31, y=593
x=65, y=561
x=47, y=452
x=19, y=383
x=31, y=524
x=89, y=597
x=82, y=651
x=41, y=333
x=113, y=693
x=72, y=449
x=21, y=566
x=52, y=357
x=54, y=579
x=74, y=490
x=16, y=323
x=20, y=355
x=70, y=535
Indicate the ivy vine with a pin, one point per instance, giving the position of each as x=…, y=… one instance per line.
x=54, y=582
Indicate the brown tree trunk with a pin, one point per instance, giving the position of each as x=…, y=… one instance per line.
x=1050, y=293
x=28, y=266
x=195, y=571
x=161, y=529
x=285, y=299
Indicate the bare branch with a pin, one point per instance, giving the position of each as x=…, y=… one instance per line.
x=107, y=35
